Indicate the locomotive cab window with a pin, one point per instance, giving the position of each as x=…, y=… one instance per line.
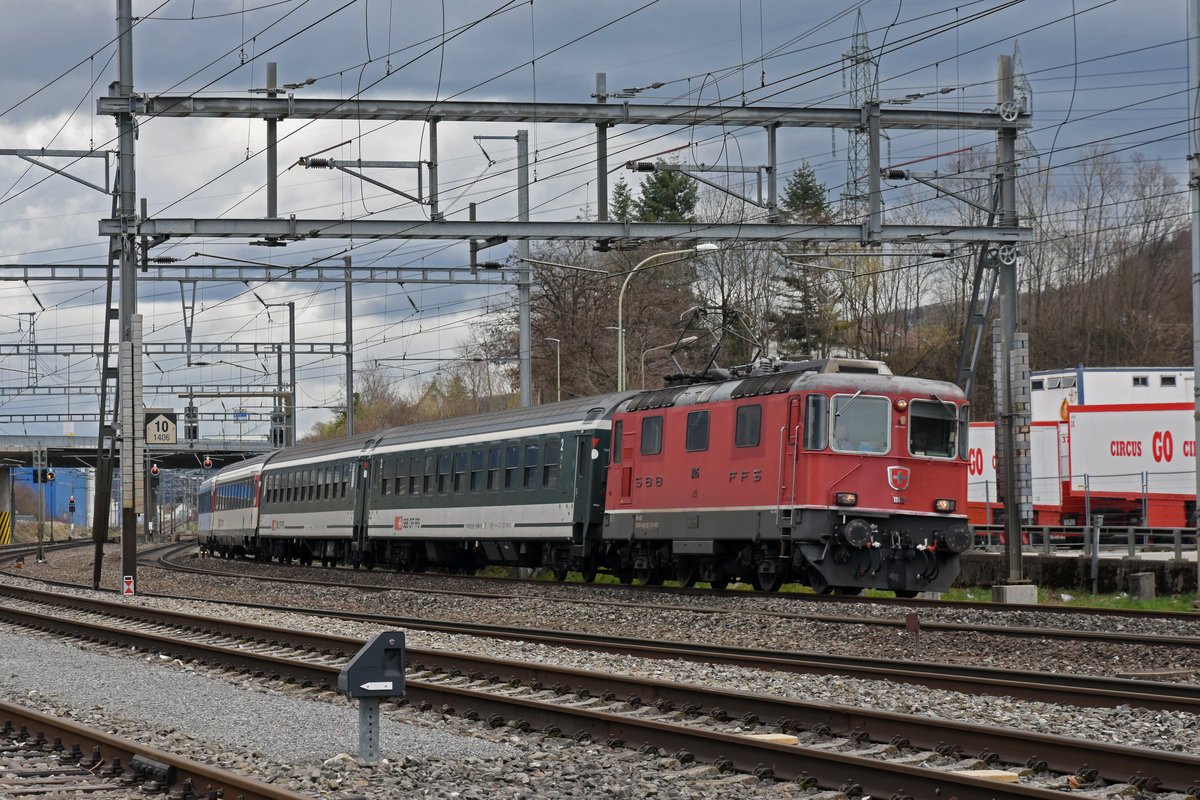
x=697, y=431
x=932, y=429
x=861, y=423
x=749, y=425
x=652, y=433
x=618, y=428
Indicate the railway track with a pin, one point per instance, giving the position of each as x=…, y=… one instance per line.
x=898, y=621
x=41, y=755
x=877, y=753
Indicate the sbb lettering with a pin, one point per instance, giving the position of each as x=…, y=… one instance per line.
x=1163, y=446
x=745, y=475
x=1125, y=448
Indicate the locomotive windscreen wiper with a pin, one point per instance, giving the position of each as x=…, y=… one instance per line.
x=838, y=413
x=949, y=406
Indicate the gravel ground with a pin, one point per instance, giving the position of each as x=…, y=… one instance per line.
x=428, y=755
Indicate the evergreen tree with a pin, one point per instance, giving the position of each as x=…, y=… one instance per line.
x=805, y=321
x=804, y=198
x=667, y=196
x=621, y=206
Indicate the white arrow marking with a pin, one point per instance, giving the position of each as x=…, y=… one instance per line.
x=377, y=686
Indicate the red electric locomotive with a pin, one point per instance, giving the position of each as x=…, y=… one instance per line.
x=834, y=473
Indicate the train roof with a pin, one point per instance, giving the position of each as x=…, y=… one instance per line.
x=572, y=413
x=831, y=374
x=240, y=469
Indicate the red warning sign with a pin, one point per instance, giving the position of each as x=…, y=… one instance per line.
x=128, y=584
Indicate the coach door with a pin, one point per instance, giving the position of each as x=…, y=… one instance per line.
x=360, y=484
x=789, y=463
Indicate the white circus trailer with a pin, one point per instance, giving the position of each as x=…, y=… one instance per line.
x=1053, y=391
x=1140, y=452
x=1048, y=454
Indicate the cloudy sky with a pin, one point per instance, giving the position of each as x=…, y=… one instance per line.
x=1110, y=72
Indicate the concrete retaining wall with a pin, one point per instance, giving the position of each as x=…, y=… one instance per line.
x=1075, y=572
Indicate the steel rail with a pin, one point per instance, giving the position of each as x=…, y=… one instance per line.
x=202, y=777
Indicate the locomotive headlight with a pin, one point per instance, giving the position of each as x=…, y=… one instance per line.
x=901, y=404
x=857, y=533
x=956, y=539
x=846, y=498
x=945, y=506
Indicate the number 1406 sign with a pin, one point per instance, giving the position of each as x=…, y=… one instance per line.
x=160, y=426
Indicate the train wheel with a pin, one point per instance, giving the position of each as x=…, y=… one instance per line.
x=589, y=572
x=625, y=575
x=651, y=576
x=719, y=583
x=560, y=575
x=906, y=593
x=846, y=591
x=687, y=571
x=768, y=581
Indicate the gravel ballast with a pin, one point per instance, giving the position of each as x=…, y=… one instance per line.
x=306, y=739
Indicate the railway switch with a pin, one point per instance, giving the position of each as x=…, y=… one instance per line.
x=374, y=672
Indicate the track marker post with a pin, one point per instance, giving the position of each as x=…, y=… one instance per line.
x=374, y=672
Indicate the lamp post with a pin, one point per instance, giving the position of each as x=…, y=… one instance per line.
x=557, y=365
x=704, y=247
x=680, y=343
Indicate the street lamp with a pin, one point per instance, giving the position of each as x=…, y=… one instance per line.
x=680, y=343
x=557, y=365
x=703, y=247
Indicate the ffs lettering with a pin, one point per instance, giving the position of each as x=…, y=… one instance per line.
x=745, y=475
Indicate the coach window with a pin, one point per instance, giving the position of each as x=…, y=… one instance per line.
x=476, y=470
x=932, y=429
x=414, y=475
x=861, y=423
x=287, y=488
x=531, y=464
x=430, y=473
x=401, y=475
x=310, y=477
x=652, y=435
x=512, y=467
x=816, y=425
x=697, y=431
x=460, y=471
x=493, y=480
x=749, y=426
x=553, y=456
x=387, y=467
x=444, y=462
